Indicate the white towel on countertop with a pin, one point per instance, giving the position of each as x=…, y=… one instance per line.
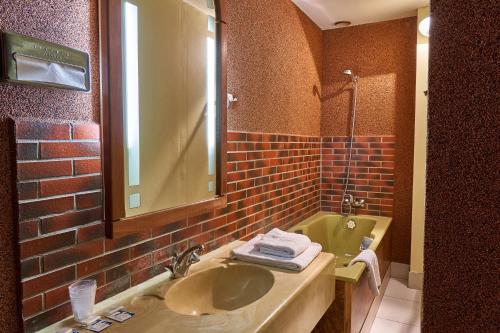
x=370, y=259
x=283, y=244
x=248, y=252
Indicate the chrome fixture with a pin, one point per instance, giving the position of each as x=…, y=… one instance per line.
x=181, y=263
x=353, y=202
x=358, y=203
x=354, y=78
x=348, y=201
x=351, y=224
x=231, y=99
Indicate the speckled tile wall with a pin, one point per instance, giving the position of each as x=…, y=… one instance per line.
x=462, y=220
x=274, y=67
x=384, y=56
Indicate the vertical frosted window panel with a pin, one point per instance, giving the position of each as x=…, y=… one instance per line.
x=131, y=67
x=211, y=186
x=134, y=200
x=211, y=104
x=211, y=24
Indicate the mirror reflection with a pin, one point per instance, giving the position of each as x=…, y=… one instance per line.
x=169, y=50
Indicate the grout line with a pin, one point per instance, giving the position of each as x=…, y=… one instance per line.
x=394, y=321
x=402, y=299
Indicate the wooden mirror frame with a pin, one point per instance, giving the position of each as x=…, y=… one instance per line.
x=112, y=130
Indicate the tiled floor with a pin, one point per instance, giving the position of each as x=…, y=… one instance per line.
x=399, y=311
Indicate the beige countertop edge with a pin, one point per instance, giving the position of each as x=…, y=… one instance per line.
x=320, y=266
x=101, y=308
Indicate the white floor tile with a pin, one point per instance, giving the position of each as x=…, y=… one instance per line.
x=398, y=289
x=388, y=326
x=400, y=310
x=400, y=271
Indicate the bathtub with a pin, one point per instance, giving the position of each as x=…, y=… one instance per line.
x=330, y=230
x=353, y=299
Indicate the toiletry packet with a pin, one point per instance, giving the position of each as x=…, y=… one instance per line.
x=120, y=314
x=99, y=325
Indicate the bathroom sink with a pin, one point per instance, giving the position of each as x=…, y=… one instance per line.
x=219, y=289
x=225, y=295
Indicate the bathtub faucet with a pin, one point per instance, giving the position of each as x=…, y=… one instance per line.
x=350, y=202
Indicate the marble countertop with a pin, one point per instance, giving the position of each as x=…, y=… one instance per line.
x=153, y=315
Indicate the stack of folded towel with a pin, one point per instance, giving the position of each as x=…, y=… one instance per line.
x=279, y=249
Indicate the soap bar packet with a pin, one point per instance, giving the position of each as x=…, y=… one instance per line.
x=120, y=315
x=99, y=325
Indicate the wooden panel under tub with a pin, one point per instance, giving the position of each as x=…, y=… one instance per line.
x=353, y=300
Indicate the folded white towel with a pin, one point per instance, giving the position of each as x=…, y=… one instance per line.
x=370, y=259
x=283, y=244
x=248, y=252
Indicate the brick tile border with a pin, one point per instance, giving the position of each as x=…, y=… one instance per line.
x=273, y=181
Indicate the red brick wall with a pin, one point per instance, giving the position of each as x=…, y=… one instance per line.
x=273, y=181
x=371, y=177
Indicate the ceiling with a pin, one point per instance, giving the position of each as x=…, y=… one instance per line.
x=325, y=12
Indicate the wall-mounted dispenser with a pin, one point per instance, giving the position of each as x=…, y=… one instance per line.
x=29, y=60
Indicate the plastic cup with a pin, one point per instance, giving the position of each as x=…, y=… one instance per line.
x=82, y=296
x=365, y=243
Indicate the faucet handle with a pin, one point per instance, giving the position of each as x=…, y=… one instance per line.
x=348, y=199
x=194, y=258
x=195, y=255
x=197, y=249
x=359, y=203
x=173, y=263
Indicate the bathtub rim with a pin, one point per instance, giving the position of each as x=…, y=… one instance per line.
x=353, y=273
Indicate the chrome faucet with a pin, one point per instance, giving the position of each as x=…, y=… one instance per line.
x=358, y=203
x=350, y=202
x=181, y=263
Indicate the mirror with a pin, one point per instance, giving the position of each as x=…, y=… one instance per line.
x=164, y=116
x=169, y=103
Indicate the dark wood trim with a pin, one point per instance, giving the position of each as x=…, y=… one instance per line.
x=160, y=218
x=111, y=110
x=112, y=121
x=221, y=30
x=104, y=99
x=221, y=10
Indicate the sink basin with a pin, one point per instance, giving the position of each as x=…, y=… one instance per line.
x=219, y=289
